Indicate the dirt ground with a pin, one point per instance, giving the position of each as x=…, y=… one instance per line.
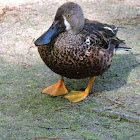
x=110, y=112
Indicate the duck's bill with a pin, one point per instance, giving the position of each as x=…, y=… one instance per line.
x=52, y=32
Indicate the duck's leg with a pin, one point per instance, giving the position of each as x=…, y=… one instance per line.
x=76, y=96
x=56, y=89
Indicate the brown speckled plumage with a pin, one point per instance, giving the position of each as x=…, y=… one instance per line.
x=84, y=50
x=70, y=56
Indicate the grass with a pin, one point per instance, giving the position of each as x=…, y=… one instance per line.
x=27, y=114
x=24, y=109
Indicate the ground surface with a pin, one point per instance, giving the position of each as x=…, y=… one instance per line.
x=27, y=114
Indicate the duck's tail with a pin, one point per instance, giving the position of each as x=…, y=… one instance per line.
x=120, y=44
x=116, y=44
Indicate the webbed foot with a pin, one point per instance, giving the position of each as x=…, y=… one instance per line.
x=56, y=89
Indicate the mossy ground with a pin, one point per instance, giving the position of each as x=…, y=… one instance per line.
x=27, y=114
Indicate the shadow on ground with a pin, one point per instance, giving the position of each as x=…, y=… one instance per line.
x=115, y=78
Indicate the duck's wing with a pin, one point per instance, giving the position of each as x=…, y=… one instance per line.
x=103, y=34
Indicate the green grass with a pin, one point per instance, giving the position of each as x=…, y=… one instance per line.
x=24, y=109
x=26, y=114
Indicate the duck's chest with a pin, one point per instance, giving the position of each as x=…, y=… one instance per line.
x=73, y=58
x=65, y=50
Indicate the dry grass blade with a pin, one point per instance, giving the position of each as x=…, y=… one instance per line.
x=6, y=83
x=24, y=64
x=129, y=20
x=31, y=45
x=116, y=114
x=54, y=128
x=5, y=10
x=115, y=102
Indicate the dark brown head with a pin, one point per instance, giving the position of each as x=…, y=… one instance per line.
x=69, y=18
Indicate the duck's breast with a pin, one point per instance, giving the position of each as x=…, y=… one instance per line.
x=71, y=56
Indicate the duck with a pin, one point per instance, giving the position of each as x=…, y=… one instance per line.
x=75, y=47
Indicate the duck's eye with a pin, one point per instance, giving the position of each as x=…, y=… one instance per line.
x=68, y=16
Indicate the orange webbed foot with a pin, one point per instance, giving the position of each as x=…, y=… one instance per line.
x=76, y=96
x=56, y=89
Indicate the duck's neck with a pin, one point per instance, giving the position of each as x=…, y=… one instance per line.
x=76, y=27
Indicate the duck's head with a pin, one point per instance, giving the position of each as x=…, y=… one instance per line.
x=69, y=18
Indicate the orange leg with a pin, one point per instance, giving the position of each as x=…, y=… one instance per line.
x=76, y=96
x=56, y=89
